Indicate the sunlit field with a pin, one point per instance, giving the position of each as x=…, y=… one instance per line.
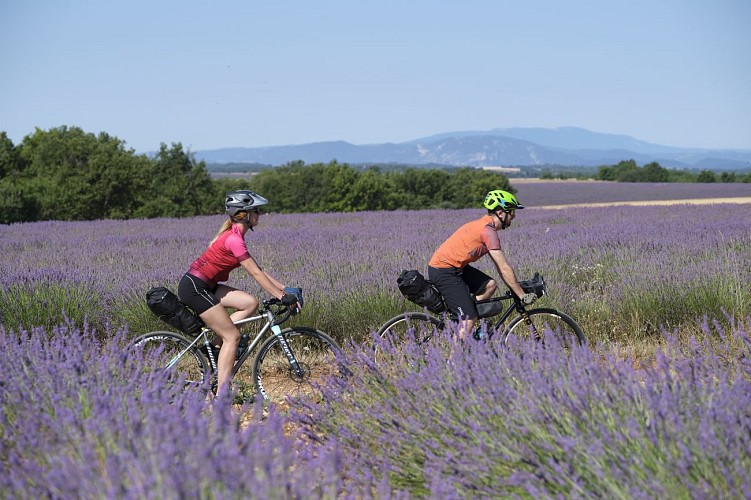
x=657, y=404
x=547, y=193
x=623, y=272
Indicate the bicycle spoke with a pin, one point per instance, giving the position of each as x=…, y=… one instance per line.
x=316, y=360
x=165, y=352
x=549, y=327
x=410, y=327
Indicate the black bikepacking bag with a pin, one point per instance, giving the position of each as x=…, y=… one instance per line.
x=169, y=309
x=417, y=289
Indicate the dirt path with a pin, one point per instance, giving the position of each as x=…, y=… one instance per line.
x=690, y=201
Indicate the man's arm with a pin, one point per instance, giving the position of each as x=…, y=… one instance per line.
x=506, y=272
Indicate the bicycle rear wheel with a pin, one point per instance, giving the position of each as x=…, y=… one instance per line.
x=172, y=354
x=316, y=355
x=412, y=326
x=548, y=326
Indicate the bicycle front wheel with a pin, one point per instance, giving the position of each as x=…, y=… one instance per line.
x=548, y=326
x=172, y=354
x=316, y=356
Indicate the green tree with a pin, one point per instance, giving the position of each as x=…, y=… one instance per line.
x=706, y=176
x=178, y=186
x=606, y=173
x=17, y=203
x=653, y=172
x=468, y=186
x=80, y=176
x=8, y=156
x=416, y=189
x=727, y=177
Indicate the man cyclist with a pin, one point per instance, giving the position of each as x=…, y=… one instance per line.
x=461, y=284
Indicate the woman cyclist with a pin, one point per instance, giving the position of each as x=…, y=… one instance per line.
x=201, y=289
x=461, y=284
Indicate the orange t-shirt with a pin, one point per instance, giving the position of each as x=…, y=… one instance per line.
x=469, y=243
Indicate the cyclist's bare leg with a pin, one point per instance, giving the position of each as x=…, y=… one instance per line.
x=245, y=305
x=218, y=320
x=488, y=292
x=466, y=327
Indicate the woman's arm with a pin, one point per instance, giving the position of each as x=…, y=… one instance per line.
x=273, y=280
x=268, y=283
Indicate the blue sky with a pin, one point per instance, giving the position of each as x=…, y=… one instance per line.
x=251, y=73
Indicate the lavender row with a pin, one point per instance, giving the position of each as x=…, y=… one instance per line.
x=546, y=193
x=617, y=269
x=86, y=418
x=80, y=418
x=540, y=422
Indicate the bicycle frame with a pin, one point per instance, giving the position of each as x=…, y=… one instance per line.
x=515, y=305
x=271, y=324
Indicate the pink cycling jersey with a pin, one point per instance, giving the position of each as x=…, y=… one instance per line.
x=222, y=256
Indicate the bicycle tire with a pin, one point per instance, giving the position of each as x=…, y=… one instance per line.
x=315, y=352
x=547, y=323
x=411, y=326
x=162, y=347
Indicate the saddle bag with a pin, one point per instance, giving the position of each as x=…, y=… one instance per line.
x=168, y=308
x=414, y=286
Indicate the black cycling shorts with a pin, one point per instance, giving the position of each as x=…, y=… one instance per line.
x=196, y=293
x=458, y=286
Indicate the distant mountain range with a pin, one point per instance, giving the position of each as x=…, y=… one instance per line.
x=565, y=146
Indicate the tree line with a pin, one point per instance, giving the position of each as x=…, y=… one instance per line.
x=67, y=174
x=629, y=171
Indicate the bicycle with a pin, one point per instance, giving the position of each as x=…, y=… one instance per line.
x=289, y=362
x=539, y=323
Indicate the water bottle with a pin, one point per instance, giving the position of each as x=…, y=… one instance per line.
x=478, y=334
x=244, y=338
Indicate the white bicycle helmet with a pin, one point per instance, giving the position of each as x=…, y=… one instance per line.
x=243, y=200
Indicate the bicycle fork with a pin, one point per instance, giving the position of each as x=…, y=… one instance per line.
x=296, y=368
x=528, y=321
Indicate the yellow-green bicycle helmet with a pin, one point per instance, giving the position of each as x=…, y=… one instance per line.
x=502, y=200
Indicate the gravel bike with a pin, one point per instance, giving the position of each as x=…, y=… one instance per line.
x=539, y=323
x=292, y=361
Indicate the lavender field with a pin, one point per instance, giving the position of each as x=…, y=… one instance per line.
x=623, y=272
x=657, y=405
x=547, y=193
x=81, y=418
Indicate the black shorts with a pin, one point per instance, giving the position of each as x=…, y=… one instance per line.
x=196, y=293
x=458, y=286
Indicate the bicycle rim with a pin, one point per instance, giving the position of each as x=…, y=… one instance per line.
x=162, y=351
x=408, y=327
x=316, y=355
x=548, y=326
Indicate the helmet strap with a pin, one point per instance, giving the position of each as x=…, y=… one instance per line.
x=504, y=219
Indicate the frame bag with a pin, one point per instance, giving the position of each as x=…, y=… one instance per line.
x=417, y=289
x=169, y=309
